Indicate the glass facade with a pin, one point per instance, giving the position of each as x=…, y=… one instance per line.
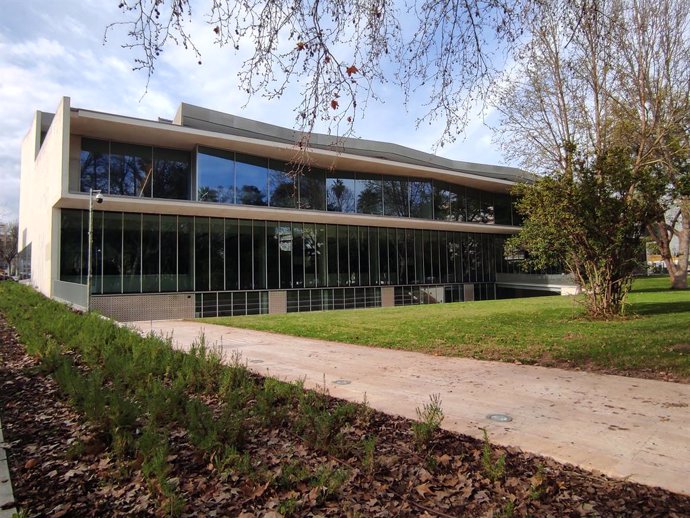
x=150, y=253
x=132, y=170
x=234, y=178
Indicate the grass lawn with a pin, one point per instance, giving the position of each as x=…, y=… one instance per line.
x=653, y=340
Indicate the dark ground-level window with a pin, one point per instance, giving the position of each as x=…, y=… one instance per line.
x=136, y=252
x=232, y=257
x=112, y=252
x=72, y=254
x=168, y=253
x=131, y=253
x=217, y=254
x=201, y=254
x=185, y=253
x=150, y=253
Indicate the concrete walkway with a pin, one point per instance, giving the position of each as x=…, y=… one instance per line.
x=623, y=427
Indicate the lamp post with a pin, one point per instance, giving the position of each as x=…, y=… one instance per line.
x=99, y=199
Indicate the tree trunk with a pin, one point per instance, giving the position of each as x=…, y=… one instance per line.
x=679, y=278
x=663, y=233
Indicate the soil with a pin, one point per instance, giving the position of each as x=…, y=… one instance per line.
x=60, y=467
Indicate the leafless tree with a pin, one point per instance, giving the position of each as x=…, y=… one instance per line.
x=9, y=241
x=337, y=54
x=602, y=74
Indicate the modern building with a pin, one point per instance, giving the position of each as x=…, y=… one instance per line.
x=203, y=215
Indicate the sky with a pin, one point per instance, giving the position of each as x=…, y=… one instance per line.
x=52, y=49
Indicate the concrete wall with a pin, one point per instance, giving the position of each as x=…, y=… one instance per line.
x=558, y=283
x=277, y=302
x=42, y=185
x=387, y=297
x=155, y=306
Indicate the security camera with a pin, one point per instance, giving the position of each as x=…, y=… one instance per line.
x=99, y=198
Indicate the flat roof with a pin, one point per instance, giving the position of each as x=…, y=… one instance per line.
x=201, y=118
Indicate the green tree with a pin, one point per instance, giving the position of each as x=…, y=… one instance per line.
x=590, y=220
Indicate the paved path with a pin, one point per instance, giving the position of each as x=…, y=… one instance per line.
x=623, y=427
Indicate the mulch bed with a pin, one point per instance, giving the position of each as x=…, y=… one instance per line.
x=52, y=477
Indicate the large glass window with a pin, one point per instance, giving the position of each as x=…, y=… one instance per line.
x=369, y=194
x=131, y=253
x=217, y=254
x=201, y=254
x=332, y=236
x=71, y=253
x=310, y=255
x=259, y=240
x=421, y=196
x=282, y=185
x=168, y=253
x=297, y=255
x=374, y=270
x=150, y=252
x=185, y=253
x=246, y=247
x=284, y=232
x=172, y=176
x=312, y=189
x=340, y=191
x=95, y=164
x=232, y=240
x=272, y=255
x=474, y=206
x=251, y=180
x=215, y=176
x=502, y=209
x=343, y=256
x=321, y=256
x=442, y=201
x=395, y=197
x=131, y=170
x=112, y=252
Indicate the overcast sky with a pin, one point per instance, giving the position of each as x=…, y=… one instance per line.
x=50, y=49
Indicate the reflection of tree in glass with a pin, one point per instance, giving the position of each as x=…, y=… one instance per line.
x=312, y=193
x=474, y=209
x=369, y=199
x=94, y=171
x=220, y=194
x=395, y=198
x=420, y=199
x=283, y=195
x=171, y=179
x=251, y=195
x=340, y=197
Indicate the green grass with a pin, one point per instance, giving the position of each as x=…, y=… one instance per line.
x=544, y=330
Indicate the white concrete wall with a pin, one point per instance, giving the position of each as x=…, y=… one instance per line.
x=42, y=185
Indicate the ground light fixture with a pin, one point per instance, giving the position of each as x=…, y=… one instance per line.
x=501, y=418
